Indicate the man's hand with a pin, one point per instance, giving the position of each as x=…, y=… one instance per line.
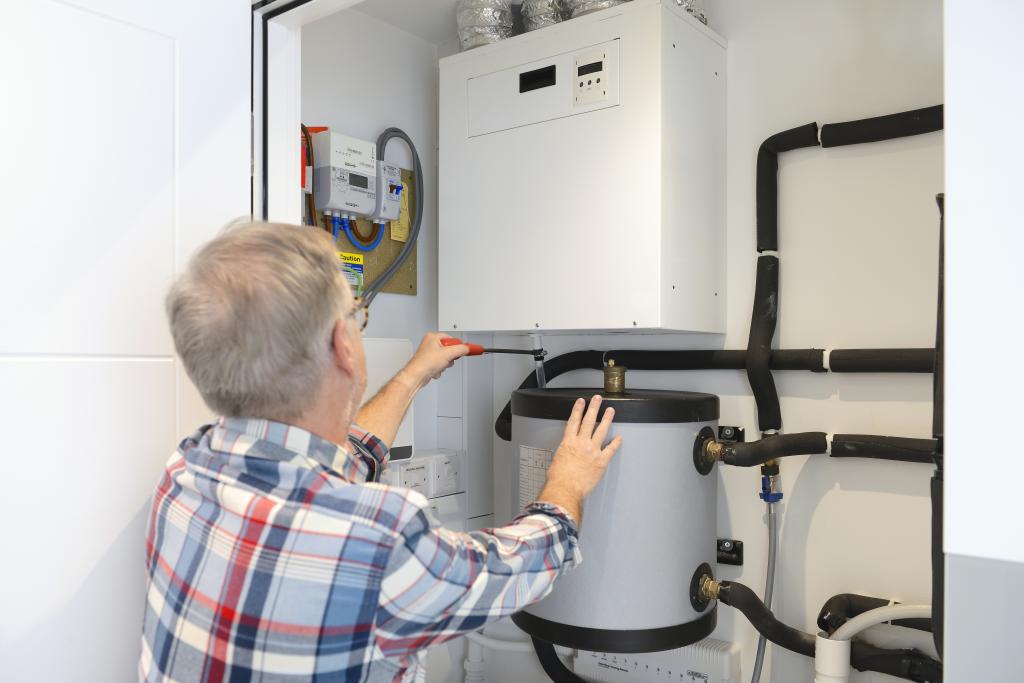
x=431, y=359
x=581, y=458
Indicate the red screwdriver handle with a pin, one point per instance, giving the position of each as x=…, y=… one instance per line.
x=474, y=349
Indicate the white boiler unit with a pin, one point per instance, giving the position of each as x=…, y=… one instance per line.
x=582, y=172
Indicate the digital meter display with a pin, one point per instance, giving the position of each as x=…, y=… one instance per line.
x=356, y=180
x=591, y=68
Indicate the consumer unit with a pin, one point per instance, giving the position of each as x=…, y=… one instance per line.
x=582, y=168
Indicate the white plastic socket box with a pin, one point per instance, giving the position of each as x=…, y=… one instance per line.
x=582, y=177
x=432, y=473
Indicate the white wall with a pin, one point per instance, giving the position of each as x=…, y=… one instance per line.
x=361, y=75
x=859, y=251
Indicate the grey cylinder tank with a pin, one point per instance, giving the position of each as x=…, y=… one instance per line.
x=647, y=528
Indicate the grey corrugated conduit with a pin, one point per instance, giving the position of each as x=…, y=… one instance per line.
x=373, y=289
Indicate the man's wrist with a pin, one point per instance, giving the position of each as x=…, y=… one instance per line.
x=411, y=377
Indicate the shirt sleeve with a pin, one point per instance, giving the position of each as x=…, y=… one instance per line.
x=440, y=584
x=371, y=451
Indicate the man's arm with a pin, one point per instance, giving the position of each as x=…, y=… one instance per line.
x=383, y=414
x=440, y=584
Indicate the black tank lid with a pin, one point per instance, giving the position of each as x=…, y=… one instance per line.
x=635, y=405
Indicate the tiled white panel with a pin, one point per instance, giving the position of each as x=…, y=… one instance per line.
x=83, y=449
x=87, y=236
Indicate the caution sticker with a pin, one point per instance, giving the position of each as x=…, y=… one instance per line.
x=352, y=266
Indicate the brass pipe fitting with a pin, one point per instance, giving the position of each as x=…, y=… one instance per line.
x=614, y=378
x=709, y=588
x=714, y=450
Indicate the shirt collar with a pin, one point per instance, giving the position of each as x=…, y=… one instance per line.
x=276, y=441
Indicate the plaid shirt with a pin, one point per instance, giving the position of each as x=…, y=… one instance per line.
x=272, y=555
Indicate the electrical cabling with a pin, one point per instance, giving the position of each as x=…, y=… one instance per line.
x=759, y=360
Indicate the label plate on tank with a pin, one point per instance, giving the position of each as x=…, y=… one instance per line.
x=533, y=472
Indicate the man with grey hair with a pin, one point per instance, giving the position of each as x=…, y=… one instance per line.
x=273, y=553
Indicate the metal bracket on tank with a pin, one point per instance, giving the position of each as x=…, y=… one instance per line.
x=730, y=551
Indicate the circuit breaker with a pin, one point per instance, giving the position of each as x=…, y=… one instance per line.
x=345, y=174
x=389, y=192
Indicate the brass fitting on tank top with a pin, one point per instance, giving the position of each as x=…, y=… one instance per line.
x=709, y=588
x=614, y=377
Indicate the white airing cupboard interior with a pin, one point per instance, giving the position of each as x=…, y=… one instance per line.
x=739, y=203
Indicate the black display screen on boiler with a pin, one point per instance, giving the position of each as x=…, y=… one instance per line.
x=591, y=68
x=356, y=180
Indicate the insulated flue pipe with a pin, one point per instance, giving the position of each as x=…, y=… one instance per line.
x=811, y=360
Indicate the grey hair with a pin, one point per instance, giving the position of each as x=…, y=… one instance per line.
x=252, y=317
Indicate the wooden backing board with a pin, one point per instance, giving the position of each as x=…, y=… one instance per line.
x=404, y=279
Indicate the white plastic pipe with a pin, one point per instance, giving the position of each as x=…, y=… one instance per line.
x=881, y=615
x=478, y=642
x=498, y=644
x=831, y=660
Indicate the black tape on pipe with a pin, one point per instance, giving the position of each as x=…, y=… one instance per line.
x=883, y=448
x=882, y=360
x=759, y=345
x=753, y=453
x=889, y=127
x=761, y=618
x=767, y=185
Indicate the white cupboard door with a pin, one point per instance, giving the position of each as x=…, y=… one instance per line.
x=125, y=138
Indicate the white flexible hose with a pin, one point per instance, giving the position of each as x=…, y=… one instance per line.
x=881, y=615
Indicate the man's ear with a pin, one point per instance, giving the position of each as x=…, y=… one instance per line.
x=341, y=348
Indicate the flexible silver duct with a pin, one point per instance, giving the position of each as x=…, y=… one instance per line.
x=540, y=13
x=482, y=22
x=580, y=7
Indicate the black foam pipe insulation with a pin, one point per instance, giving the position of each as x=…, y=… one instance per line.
x=938, y=557
x=754, y=453
x=839, y=609
x=768, y=180
x=763, y=321
x=552, y=665
x=761, y=618
x=879, y=128
x=882, y=360
x=883, y=448
x=909, y=664
x=894, y=360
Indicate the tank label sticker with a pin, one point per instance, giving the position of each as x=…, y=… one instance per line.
x=533, y=472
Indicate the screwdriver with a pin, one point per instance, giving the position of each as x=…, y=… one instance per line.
x=478, y=350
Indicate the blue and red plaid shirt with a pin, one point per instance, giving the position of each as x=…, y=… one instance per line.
x=273, y=555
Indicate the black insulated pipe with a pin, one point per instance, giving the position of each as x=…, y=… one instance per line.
x=891, y=126
x=552, y=665
x=887, y=360
x=768, y=180
x=753, y=453
x=761, y=618
x=839, y=609
x=883, y=360
x=763, y=320
x=883, y=448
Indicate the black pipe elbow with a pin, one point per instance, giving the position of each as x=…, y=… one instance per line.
x=839, y=609
x=767, y=187
x=755, y=453
x=746, y=601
